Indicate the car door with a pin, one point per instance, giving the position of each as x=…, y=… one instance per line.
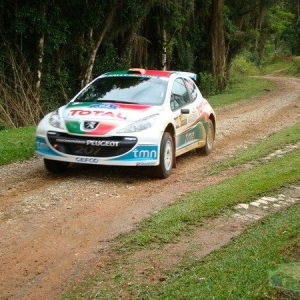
x=185, y=102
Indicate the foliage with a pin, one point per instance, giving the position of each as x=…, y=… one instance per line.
x=244, y=88
x=241, y=67
x=207, y=84
x=296, y=67
x=59, y=47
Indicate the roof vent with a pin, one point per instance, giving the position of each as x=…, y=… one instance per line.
x=136, y=71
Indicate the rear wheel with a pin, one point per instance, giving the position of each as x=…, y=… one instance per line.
x=209, y=141
x=164, y=169
x=55, y=166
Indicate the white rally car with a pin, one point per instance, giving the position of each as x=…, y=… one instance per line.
x=134, y=117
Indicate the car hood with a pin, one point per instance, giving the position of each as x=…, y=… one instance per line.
x=103, y=118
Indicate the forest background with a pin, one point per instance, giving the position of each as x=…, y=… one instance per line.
x=50, y=49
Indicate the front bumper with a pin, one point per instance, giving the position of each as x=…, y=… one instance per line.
x=117, y=150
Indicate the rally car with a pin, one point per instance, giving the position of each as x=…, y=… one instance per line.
x=132, y=117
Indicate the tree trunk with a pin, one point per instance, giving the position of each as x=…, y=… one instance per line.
x=86, y=75
x=164, y=50
x=218, y=45
x=40, y=57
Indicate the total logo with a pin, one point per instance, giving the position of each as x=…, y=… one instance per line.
x=97, y=113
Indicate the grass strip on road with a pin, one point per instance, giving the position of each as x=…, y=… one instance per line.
x=255, y=152
x=167, y=225
x=240, y=269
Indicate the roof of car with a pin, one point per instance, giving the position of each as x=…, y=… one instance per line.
x=145, y=72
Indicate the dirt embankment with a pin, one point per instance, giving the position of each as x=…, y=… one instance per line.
x=52, y=228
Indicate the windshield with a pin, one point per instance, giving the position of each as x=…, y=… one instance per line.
x=127, y=89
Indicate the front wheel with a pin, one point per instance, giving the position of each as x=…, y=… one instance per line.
x=209, y=141
x=55, y=166
x=164, y=169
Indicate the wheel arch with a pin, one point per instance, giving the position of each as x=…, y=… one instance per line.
x=170, y=128
x=213, y=119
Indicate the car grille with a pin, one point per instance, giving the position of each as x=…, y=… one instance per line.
x=90, y=146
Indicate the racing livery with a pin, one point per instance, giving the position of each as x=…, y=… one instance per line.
x=134, y=117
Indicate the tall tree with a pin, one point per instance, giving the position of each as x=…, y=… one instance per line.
x=218, y=46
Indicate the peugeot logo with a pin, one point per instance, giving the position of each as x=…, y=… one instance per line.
x=90, y=125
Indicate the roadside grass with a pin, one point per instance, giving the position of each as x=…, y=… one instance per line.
x=282, y=66
x=237, y=271
x=255, y=152
x=169, y=224
x=16, y=144
x=245, y=88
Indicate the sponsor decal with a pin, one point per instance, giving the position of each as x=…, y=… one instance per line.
x=144, y=153
x=42, y=147
x=102, y=143
x=97, y=113
x=87, y=160
x=104, y=105
x=70, y=141
x=140, y=153
x=181, y=120
x=189, y=137
x=192, y=117
x=150, y=163
x=184, y=139
x=97, y=143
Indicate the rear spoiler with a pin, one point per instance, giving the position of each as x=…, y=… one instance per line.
x=189, y=74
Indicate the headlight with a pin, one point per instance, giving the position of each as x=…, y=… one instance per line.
x=140, y=125
x=55, y=120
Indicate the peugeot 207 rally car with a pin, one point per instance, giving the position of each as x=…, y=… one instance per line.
x=135, y=117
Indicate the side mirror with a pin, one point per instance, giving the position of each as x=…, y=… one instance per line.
x=185, y=111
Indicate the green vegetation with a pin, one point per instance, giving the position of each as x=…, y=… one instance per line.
x=282, y=66
x=196, y=36
x=237, y=271
x=168, y=224
x=246, y=88
x=254, y=153
x=16, y=144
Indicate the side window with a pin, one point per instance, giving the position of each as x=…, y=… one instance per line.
x=192, y=90
x=179, y=95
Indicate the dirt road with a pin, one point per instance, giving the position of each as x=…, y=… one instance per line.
x=52, y=228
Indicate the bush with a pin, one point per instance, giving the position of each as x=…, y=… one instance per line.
x=296, y=66
x=242, y=67
x=207, y=84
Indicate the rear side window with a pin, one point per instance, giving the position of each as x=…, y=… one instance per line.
x=179, y=95
x=192, y=89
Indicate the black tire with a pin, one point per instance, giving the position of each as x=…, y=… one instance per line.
x=209, y=140
x=55, y=166
x=164, y=169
